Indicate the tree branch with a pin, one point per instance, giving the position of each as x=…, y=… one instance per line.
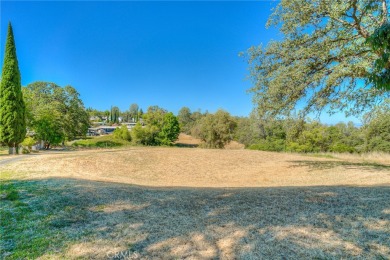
x=357, y=23
x=342, y=21
x=384, y=12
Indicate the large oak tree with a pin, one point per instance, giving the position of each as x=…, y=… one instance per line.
x=324, y=60
x=54, y=113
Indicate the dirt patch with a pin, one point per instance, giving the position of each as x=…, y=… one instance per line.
x=187, y=140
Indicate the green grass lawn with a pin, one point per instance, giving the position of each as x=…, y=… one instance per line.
x=37, y=219
x=105, y=141
x=27, y=229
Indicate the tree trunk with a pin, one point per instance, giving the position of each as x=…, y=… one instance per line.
x=12, y=150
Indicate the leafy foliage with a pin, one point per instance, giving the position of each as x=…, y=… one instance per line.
x=134, y=112
x=114, y=115
x=295, y=135
x=380, y=43
x=122, y=133
x=162, y=128
x=95, y=113
x=106, y=141
x=216, y=130
x=55, y=114
x=47, y=127
x=29, y=142
x=170, y=130
x=147, y=135
x=185, y=119
x=12, y=106
x=322, y=60
x=377, y=129
x=155, y=116
x=249, y=130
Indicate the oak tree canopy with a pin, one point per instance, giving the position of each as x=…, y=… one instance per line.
x=325, y=59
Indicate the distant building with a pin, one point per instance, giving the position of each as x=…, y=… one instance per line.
x=105, y=129
x=129, y=125
x=101, y=130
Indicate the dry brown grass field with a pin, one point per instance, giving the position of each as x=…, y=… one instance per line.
x=174, y=203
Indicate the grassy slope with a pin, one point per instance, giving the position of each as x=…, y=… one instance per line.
x=57, y=216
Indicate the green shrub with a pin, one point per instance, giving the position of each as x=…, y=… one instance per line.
x=144, y=135
x=107, y=141
x=300, y=148
x=29, y=142
x=25, y=150
x=341, y=148
x=378, y=144
x=170, y=130
x=122, y=133
x=277, y=145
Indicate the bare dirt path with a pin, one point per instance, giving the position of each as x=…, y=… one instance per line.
x=11, y=159
x=7, y=159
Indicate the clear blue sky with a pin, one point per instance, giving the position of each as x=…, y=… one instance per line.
x=170, y=54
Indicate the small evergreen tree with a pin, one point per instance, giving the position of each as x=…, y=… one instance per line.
x=133, y=112
x=140, y=114
x=122, y=133
x=170, y=130
x=12, y=107
x=114, y=116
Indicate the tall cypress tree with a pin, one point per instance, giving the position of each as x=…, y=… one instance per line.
x=12, y=107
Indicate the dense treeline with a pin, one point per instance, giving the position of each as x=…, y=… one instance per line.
x=311, y=136
x=56, y=114
x=115, y=116
x=291, y=135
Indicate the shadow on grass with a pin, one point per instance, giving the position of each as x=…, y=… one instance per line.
x=75, y=218
x=186, y=145
x=323, y=165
